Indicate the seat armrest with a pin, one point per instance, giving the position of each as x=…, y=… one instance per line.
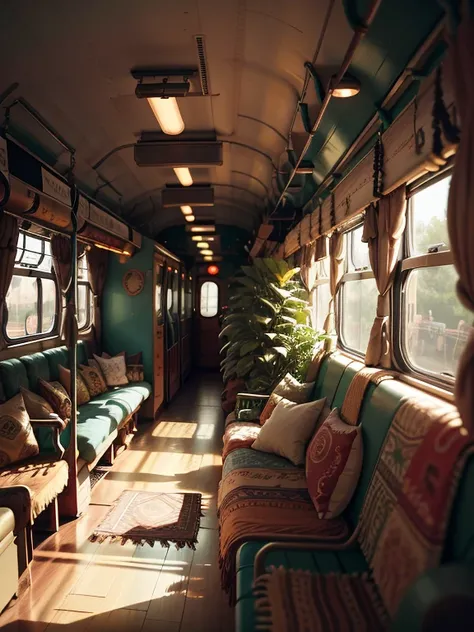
x=250, y=400
x=296, y=543
x=18, y=499
x=53, y=421
x=57, y=425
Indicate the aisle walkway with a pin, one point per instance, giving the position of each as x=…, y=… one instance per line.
x=84, y=586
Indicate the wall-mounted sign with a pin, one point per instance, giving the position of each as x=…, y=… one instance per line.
x=55, y=187
x=100, y=218
x=133, y=282
x=3, y=157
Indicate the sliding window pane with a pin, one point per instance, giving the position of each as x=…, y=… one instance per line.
x=358, y=309
x=436, y=325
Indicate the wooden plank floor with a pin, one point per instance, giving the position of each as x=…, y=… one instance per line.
x=105, y=587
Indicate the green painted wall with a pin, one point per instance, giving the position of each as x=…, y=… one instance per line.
x=128, y=320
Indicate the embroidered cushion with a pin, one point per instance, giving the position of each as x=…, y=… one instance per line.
x=289, y=429
x=17, y=439
x=291, y=389
x=114, y=370
x=56, y=395
x=36, y=406
x=83, y=395
x=270, y=406
x=94, y=379
x=135, y=373
x=333, y=465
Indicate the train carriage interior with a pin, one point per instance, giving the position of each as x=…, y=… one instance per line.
x=236, y=297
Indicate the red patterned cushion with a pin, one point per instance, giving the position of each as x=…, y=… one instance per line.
x=333, y=464
x=270, y=406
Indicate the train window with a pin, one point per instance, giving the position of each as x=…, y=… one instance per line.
x=434, y=324
x=358, y=294
x=32, y=298
x=321, y=294
x=209, y=299
x=84, y=295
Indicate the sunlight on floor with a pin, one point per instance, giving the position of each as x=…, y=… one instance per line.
x=175, y=430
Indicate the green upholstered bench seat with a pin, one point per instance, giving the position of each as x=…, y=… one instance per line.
x=101, y=417
x=97, y=420
x=379, y=407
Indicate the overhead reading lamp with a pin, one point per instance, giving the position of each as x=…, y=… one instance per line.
x=348, y=86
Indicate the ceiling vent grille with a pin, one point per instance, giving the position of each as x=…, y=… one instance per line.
x=203, y=74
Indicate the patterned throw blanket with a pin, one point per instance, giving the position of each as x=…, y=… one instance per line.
x=287, y=601
x=264, y=497
x=239, y=435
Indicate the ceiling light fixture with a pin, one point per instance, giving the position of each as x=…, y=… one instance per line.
x=189, y=218
x=201, y=237
x=348, y=86
x=209, y=253
x=203, y=229
x=166, y=111
x=208, y=258
x=203, y=244
x=184, y=176
x=186, y=210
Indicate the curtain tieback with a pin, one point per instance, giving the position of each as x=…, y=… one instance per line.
x=383, y=306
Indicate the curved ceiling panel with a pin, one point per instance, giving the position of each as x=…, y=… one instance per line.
x=72, y=61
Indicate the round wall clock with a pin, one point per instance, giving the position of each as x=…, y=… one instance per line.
x=133, y=282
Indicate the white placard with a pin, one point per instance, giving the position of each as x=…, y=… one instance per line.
x=55, y=187
x=100, y=218
x=4, y=157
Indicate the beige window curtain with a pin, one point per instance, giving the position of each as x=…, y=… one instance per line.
x=9, y=230
x=97, y=259
x=61, y=250
x=383, y=229
x=460, y=205
x=336, y=270
x=308, y=266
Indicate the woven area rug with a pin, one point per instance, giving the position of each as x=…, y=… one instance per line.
x=141, y=517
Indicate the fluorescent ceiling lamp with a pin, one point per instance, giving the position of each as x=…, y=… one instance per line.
x=167, y=114
x=203, y=229
x=201, y=237
x=207, y=252
x=348, y=87
x=203, y=244
x=187, y=210
x=189, y=218
x=184, y=176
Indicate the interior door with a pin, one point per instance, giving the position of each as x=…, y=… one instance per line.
x=159, y=337
x=208, y=307
x=172, y=335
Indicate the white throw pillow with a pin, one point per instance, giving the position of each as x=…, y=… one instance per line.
x=289, y=429
x=114, y=370
x=291, y=389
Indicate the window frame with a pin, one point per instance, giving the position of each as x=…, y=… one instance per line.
x=355, y=274
x=89, y=299
x=38, y=275
x=410, y=261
